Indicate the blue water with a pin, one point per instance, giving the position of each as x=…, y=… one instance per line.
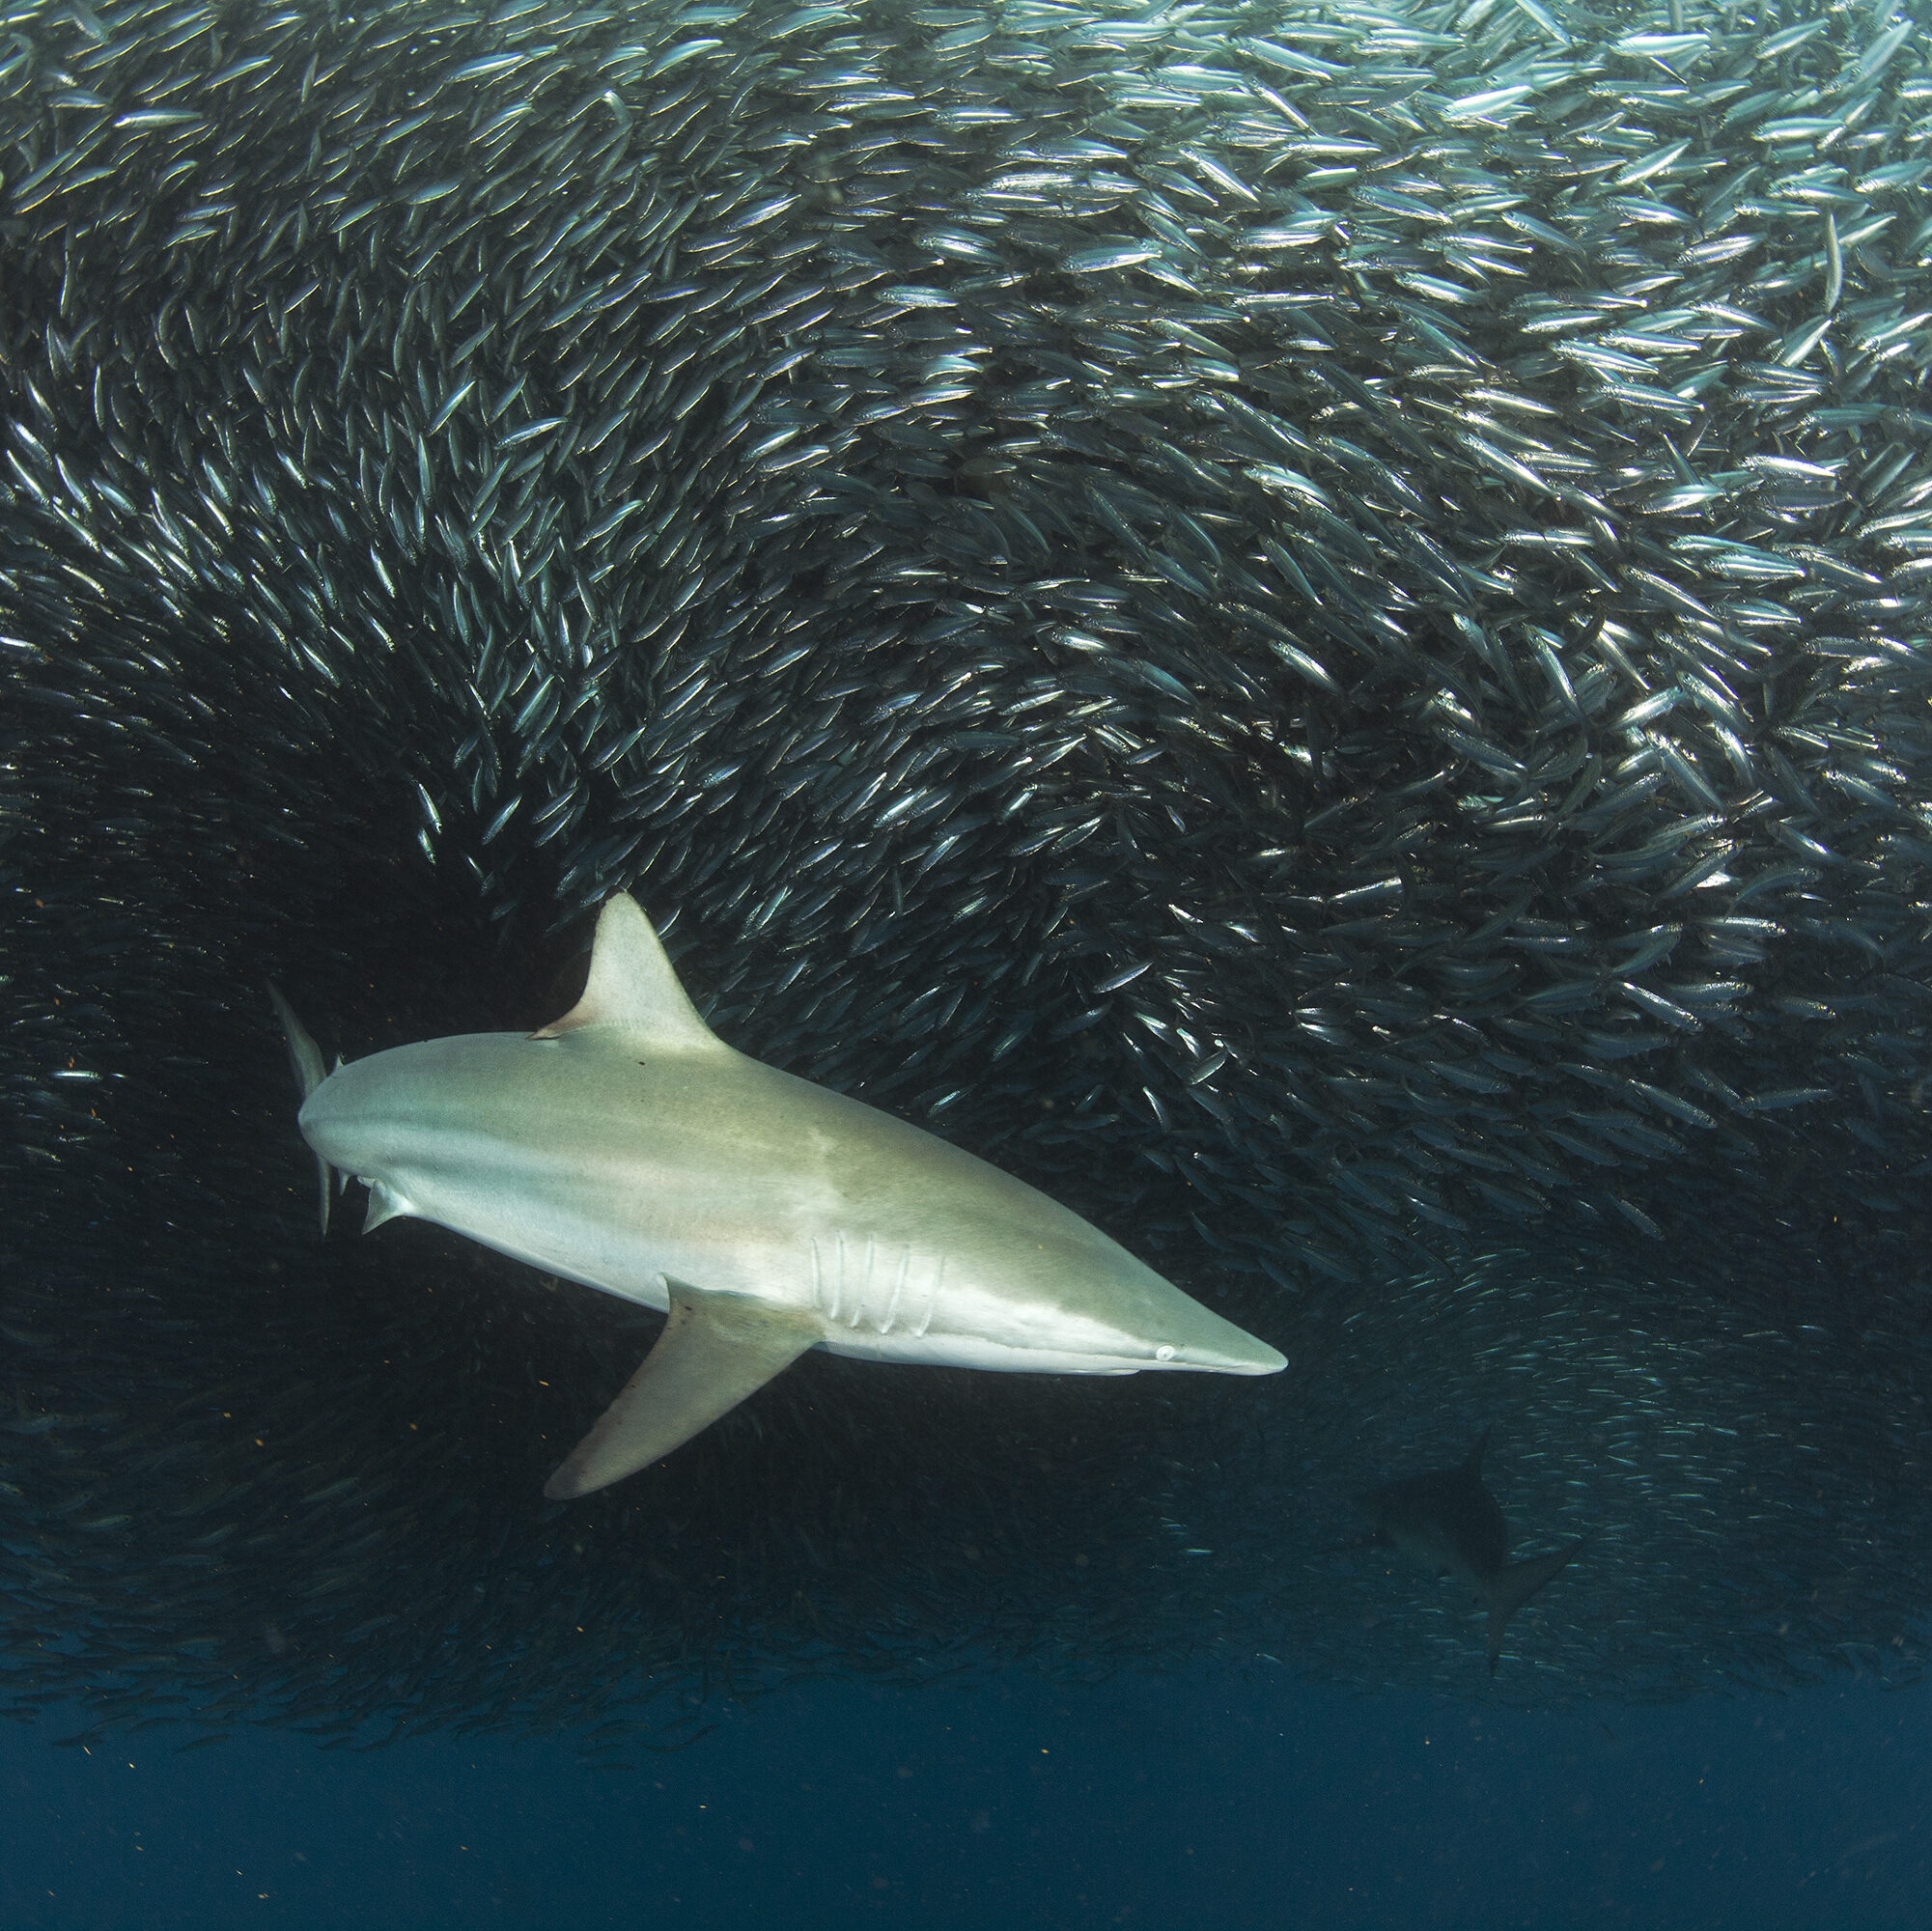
x=1211, y=1802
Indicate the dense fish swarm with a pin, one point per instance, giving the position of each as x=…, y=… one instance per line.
x=1307, y=623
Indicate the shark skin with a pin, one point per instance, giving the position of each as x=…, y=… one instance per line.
x=1449, y=1523
x=627, y=1147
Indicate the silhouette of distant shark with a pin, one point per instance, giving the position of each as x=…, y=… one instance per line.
x=1449, y=1523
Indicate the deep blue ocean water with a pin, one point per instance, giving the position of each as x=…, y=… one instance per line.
x=1206, y=1801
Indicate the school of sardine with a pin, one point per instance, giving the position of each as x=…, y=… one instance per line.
x=1306, y=624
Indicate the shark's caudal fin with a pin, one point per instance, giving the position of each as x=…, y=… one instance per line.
x=715, y=1350
x=305, y=1057
x=1507, y=1591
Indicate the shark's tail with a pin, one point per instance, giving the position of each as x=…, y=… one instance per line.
x=1508, y=1591
x=305, y=1057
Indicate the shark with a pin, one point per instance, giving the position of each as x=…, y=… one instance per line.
x=1449, y=1523
x=627, y=1147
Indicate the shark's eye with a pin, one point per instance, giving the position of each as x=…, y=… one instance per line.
x=1163, y=1354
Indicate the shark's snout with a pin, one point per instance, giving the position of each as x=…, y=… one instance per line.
x=1248, y=1358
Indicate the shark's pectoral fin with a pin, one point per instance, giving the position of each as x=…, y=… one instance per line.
x=715, y=1350
x=1508, y=1591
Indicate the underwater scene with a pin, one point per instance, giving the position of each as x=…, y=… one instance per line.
x=1099, y=840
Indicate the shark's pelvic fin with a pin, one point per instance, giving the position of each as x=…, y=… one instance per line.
x=1507, y=1591
x=631, y=984
x=384, y=1204
x=715, y=1350
x=305, y=1057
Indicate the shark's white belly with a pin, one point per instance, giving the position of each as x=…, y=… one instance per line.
x=874, y=1297
x=620, y=1226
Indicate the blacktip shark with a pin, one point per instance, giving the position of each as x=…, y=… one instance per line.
x=626, y=1146
x=1449, y=1523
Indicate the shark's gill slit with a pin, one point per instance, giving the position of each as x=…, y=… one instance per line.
x=933, y=1301
x=898, y=1289
x=859, y=1305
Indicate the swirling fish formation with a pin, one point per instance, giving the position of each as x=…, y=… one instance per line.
x=1306, y=624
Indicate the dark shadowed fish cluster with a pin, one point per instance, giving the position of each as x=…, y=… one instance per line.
x=1306, y=624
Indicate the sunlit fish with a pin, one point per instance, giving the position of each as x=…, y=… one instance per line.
x=1449, y=1523
x=627, y=1147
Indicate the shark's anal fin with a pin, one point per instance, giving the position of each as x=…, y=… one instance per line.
x=715, y=1350
x=1508, y=1591
x=305, y=1057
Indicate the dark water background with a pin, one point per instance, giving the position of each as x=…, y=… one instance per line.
x=1211, y=1801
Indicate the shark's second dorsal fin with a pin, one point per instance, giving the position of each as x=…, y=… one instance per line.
x=631, y=984
x=715, y=1350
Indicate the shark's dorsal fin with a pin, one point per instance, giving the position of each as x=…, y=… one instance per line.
x=631, y=984
x=1473, y=1462
x=715, y=1350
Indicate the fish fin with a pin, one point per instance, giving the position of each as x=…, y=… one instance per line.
x=1472, y=1461
x=715, y=1350
x=384, y=1204
x=1508, y=1591
x=633, y=984
x=305, y=1057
